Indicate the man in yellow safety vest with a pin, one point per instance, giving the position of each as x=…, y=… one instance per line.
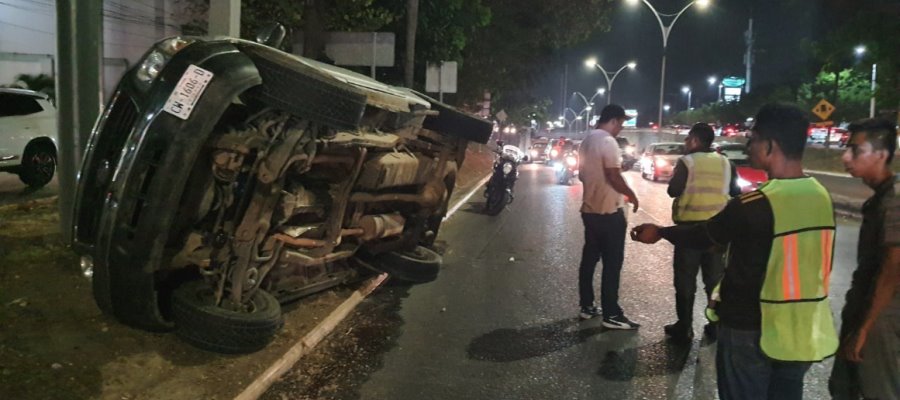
x=775, y=318
x=702, y=183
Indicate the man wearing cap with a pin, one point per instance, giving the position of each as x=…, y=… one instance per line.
x=702, y=183
x=604, y=218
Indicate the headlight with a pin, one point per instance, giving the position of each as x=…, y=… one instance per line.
x=660, y=162
x=571, y=161
x=629, y=149
x=87, y=266
x=157, y=58
x=534, y=153
x=507, y=168
x=554, y=153
x=743, y=182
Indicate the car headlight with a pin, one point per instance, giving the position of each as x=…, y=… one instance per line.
x=743, y=182
x=660, y=162
x=87, y=266
x=571, y=161
x=554, y=153
x=156, y=59
x=507, y=168
x=629, y=150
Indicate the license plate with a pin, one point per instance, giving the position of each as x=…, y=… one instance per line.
x=188, y=90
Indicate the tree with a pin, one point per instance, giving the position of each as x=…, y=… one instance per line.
x=852, y=99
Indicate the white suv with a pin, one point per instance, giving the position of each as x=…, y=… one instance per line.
x=27, y=136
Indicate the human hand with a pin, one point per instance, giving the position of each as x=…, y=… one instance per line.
x=851, y=348
x=633, y=200
x=646, y=233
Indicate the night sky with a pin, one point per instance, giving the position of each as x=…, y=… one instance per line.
x=702, y=43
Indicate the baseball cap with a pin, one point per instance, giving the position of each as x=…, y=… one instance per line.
x=613, y=111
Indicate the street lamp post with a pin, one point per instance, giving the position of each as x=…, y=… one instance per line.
x=860, y=50
x=609, y=81
x=666, y=30
x=687, y=90
x=588, y=104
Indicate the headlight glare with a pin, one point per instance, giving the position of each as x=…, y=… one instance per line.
x=507, y=168
x=743, y=182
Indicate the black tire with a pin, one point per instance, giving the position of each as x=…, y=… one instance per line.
x=38, y=165
x=201, y=323
x=496, y=200
x=418, y=266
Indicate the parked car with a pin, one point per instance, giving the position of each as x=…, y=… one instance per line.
x=226, y=177
x=817, y=135
x=731, y=130
x=629, y=153
x=749, y=178
x=659, y=159
x=27, y=136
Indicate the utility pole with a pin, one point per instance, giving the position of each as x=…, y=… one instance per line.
x=79, y=43
x=748, y=57
x=412, y=24
x=565, y=93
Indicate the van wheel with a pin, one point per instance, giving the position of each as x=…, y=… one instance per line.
x=420, y=265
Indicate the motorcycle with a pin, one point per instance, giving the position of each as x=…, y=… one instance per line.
x=499, y=191
x=567, y=169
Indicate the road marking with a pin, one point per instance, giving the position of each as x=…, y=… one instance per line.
x=308, y=342
x=465, y=199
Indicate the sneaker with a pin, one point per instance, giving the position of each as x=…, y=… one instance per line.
x=619, y=322
x=588, y=312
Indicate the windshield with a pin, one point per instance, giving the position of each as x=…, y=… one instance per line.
x=668, y=149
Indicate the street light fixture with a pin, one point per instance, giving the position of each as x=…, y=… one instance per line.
x=667, y=107
x=712, y=80
x=591, y=62
x=666, y=30
x=687, y=90
x=860, y=51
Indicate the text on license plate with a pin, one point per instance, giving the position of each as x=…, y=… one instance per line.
x=188, y=90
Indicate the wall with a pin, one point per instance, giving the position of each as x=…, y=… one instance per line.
x=130, y=27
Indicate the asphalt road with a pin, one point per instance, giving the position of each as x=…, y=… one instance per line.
x=500, y=322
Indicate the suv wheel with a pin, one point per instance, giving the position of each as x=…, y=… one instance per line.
x=202, y=323
x=38, y=165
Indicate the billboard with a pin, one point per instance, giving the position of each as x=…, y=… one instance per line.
x=631, y=123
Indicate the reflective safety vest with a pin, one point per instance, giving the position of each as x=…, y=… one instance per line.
x=706, y=191
x=796, y=315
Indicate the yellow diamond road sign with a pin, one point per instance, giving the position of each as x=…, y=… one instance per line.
x=823, y=109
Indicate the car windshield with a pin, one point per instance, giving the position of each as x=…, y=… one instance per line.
x=668, y=149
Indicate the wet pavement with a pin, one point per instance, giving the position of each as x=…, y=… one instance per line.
x=500, y=322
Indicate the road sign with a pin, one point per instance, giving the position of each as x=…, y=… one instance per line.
x=823, y=109
x=501, y=116
x=631, y=123
x=441, y=77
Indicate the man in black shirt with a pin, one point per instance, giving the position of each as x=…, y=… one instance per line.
x=868, y=363
x=747, y=225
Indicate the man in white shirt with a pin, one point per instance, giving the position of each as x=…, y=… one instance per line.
x=604, y=218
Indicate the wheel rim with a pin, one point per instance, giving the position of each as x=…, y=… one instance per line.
x=43, y=165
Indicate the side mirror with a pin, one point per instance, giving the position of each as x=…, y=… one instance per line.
x=271, y=35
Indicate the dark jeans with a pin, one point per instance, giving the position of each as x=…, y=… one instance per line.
x=687, y=262
x=744, y=372
x=604, y=237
